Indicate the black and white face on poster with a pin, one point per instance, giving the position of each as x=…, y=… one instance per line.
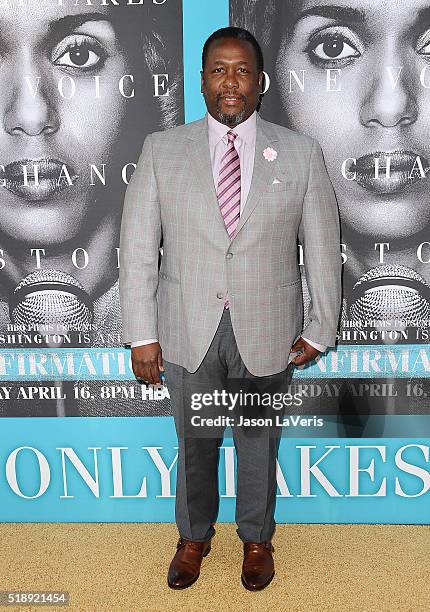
x=355, y=75
x=82, y=84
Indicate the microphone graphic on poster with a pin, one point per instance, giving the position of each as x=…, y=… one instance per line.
x=391, y=293
x=52, y=298
x=397, y=296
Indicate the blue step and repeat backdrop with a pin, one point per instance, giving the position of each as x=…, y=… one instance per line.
x=83, y=84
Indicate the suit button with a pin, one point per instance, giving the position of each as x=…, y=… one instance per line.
x=229, y=255
x=220, y=295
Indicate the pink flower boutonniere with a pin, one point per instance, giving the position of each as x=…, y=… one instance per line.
x=270, y=154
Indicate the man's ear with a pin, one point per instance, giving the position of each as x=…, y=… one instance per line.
x=261, y=80
x=202, y=81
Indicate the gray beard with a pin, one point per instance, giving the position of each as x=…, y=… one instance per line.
x=231, y=120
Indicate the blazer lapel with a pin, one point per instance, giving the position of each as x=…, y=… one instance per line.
x=262, y=176
x=263, y=172
x=199, y=155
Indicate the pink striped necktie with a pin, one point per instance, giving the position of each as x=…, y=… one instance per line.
x=228, y=191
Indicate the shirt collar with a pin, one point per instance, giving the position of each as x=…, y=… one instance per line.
x=245, y=130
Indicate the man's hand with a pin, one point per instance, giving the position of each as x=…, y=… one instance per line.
x=309, y=352
x=147, y=362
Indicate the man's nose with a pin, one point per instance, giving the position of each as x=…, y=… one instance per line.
x=230, y=80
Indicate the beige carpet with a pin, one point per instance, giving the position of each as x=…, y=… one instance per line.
x=122, y=568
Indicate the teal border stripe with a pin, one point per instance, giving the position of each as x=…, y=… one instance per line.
x=78, y=482
x=200, y=19
x=113, y=363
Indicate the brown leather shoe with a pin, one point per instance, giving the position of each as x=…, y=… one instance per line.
x=185, y=566
x=258, y=568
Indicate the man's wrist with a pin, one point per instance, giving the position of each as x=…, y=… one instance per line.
x=142, y=342
x=317, y=345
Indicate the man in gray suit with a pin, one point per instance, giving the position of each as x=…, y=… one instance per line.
x=228, y=197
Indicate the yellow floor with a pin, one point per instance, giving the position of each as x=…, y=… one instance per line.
x=122, y=567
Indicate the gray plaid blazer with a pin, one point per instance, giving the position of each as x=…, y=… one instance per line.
x=171, y=200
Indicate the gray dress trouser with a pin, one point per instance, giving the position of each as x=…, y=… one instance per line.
x=197, y=496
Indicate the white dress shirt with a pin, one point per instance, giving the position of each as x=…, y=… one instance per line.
x=245, y=146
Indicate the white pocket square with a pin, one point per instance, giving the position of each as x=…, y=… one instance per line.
x=275, y=181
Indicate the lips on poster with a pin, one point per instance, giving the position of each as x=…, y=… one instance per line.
x=83, y=83
x=355, y=75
